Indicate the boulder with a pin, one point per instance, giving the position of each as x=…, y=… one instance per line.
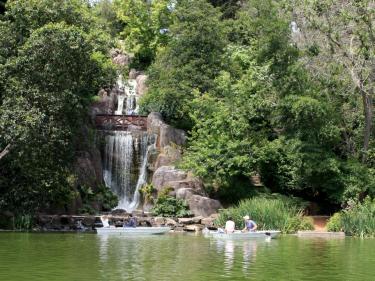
x=133, y=74
x=185, y=193
x=141, y=84
x=165, y=175
x=170, y=222
x=185, y=221
x=203, y=206
x=167, y=135
x=189, y=183
x=105, y=103
x=168, y=155
x=159, y=221
x=120, y=58
x=154, y=121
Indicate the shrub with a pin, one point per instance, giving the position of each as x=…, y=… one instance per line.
x=359, y=218
x=23, y=222
x=168, y=206
x=147, y=192
x=279, y=213
x=335, y=223
x=102, y=195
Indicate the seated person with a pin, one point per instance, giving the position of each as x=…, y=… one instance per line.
x=132, y=222
x=229, y=225
x=250, y=225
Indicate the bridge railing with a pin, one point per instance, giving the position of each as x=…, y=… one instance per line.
x=120, y=122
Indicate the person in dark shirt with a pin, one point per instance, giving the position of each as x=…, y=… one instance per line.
x=132, y=222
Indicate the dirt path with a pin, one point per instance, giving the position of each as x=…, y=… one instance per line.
x=320, y=222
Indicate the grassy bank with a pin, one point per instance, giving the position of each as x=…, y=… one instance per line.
x=279, y=213
x=357, y=220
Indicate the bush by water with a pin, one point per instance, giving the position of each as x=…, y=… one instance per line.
x=278, y=213
x=358, y=219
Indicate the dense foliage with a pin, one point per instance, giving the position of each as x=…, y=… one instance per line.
x=256, y=102
x=358, y=219
x=277, y=89
x=168, y=206
x=52, y=61
x=279, y=213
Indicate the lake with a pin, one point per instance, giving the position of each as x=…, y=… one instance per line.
x=75, y=257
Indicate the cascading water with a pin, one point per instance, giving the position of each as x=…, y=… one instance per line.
x=120, y=105
x=128, y=95
x=125, y=165
x=126, y=152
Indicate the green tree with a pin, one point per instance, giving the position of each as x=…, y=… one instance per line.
x=342, y=35
x=49, y=72
x=191, y=61
x=145, y=28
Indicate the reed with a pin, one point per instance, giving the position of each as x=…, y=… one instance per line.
x=269, y=213
x=359, y=218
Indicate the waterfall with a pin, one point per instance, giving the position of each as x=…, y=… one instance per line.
x=120, y=104
x=129, y=90
x=125, y=165
x=131, y=98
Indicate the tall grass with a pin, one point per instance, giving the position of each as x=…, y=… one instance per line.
x=269, y=213
x=357, y=220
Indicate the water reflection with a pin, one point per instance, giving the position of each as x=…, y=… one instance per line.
x=239, y=251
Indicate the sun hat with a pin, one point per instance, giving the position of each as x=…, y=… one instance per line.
x=246, y=217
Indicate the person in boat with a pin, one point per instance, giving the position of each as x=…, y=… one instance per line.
x=105, y=221
x=229, y=225
x=250, y=225
x=132, y=222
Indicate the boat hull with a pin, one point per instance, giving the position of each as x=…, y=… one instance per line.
x=132, y=230
x=247, y=235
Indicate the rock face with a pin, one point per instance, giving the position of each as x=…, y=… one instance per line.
x=141, y=84
x=89, y=169
x=168, y=156
x=203, y=206
x=120, y=58
x=165, y=175
x=167, y=135
x=106, y=103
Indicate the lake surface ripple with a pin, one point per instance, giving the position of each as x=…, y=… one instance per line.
x=76, y=257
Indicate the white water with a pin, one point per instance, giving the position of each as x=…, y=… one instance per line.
x=125, y=165
x=120, y=104
x=129, y=88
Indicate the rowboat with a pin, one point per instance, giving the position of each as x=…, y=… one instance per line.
x=246, y=235
x=132, y=230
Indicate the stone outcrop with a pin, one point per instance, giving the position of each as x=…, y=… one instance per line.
x=168, y=156
x=203, y=206
x=141, y=84
x=167, y=135
x=120, y=58
x=165, y=175
x=106, y=103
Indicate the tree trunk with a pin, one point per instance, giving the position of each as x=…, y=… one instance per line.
x=368, y=112
x=5, y=151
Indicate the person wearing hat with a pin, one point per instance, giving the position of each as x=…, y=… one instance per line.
x=250, y=225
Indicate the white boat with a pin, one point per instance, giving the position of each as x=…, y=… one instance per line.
x=246, y=235
x=132, y=230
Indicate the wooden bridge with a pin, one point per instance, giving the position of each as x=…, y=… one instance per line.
x=120, y=122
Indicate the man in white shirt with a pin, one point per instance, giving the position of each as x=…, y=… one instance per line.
x=229, y=225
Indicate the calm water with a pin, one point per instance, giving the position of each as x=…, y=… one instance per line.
x=76, y=257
